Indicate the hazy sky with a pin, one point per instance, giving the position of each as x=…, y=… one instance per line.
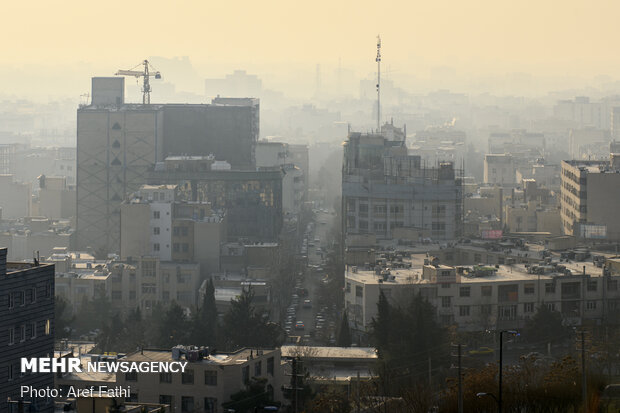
x=477, y=37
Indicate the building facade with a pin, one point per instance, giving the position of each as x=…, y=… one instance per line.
x=26, y=330
x=387, y=191
x=590, y=195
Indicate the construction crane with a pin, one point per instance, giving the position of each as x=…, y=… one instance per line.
x=145, y=74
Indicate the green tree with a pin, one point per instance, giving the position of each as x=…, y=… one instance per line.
x=63, y=320
x=172, y=328
x=244, y=328
x=344, y=333
x=545, y=326
x=253, y=396
x=406, y=338
x=205, y=320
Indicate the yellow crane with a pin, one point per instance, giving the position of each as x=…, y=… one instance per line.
x=145, y=74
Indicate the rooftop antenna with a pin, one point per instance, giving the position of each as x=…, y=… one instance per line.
x=378, y=60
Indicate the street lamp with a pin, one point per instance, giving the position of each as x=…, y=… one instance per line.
x=501, y=360
x=489, y=395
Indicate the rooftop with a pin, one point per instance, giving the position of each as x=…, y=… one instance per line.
x=221, y=359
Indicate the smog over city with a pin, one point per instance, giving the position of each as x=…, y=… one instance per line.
x=313, y=207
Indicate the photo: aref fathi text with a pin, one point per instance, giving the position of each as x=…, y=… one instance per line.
x=72, y=391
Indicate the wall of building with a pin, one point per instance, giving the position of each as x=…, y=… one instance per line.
x=31, y=320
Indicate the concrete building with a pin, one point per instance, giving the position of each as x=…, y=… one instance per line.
x=590, y=195
x=27, y=330
x=35, y=234
x=208, y=380
x=293, y=159
x=334, y=365
x=499, y=169
x=480, y=297
x=19, y=204
x=155, y=223
x=118, y=144
x=56, y=199
x=238, y=84
x=387, y=192
x=252, y=199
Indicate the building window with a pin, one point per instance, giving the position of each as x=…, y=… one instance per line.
x=11, y=336
x=20, y=298
x=446, y=302
x=270, y=365
x=486, y=309
x=11, y=300
x=33, y=295
x=131, y=376
x=48, y=290
x=528, y=307
x=187, y=404
x=464, y=311
x=156, y=231
x=549, y=288
x=184, y=231
x=445, y=285
x=465, y=291
x=10, y=372
x=591, y=305
x=211, y=377
x=165, y=377
x=188, y=377
x=48, y=327
x=245, y=374
x=185, y=247
x=348, y=287
x=210, y=405
x=486, y=290
x=612, y=285
x=117, y=295
x=165, y=399
x=175, y=247
x=592, y=285
x=258, y=368
x=528, y=288
x=156, y=246
x=551, y=306
x=155, y=214
x=33, y=330
x=359, y=291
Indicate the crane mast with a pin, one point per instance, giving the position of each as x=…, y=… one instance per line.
x=145, y=74
x=378, y=60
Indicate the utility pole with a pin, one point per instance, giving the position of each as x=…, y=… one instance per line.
x=378, y=60
x=584, y=386
x=459, y=367
x=460, y=383
x=430, y=373
x=358, y=392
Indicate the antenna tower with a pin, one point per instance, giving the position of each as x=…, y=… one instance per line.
x=378, y=60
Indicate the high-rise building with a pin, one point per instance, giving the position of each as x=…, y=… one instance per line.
x=389, y=193
x=26, y=330
x=590, y=195
x=118, y=144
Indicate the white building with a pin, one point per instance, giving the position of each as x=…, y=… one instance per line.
x=486, y=297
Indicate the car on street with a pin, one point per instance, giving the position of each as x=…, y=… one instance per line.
x=299, y=325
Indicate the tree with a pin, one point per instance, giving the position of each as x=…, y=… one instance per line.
x=545, y=326
x=406, y=337
x=254, y=395
x=344, y=334
x=172, y=328
x=205, y=319
x=244, y=328
x=63, y=320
